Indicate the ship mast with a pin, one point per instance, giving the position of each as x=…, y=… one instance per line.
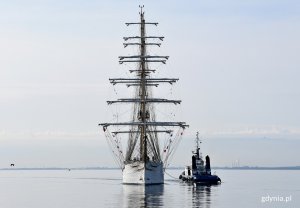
x=143, y=137
x=143, y=128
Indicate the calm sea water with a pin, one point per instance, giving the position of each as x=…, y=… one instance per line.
x=103, y=188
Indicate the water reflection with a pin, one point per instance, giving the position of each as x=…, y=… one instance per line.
x=197, y=195
x=143, y=196
x=201, y=195
x=167, y=195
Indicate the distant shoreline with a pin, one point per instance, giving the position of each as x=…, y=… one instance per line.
x=171, y=168
x=258, y=168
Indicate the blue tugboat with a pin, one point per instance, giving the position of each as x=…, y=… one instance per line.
x=199, y=172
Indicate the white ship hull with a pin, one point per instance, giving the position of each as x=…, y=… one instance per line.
x=147, y=173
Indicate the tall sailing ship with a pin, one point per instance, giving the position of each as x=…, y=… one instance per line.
x=146, y=156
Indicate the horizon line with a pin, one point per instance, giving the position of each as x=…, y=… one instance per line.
x=296, y=167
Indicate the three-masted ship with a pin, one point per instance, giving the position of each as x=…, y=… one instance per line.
x=146, y=157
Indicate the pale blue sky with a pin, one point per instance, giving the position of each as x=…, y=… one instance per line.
x=238, y=62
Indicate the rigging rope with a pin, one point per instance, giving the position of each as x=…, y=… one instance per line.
x=171, y=175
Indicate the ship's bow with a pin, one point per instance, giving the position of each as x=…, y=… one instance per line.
x=139, y=172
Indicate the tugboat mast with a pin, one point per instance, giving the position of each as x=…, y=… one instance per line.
x=198, y=141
